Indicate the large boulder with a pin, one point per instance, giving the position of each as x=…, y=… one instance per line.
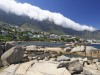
x=92, y=69
x=9, y=45
x=90, y=49
x=82, y=48
x=89, y=71
x=9, y=70
x=73, y=66
x=1, y=64
x=78, y=49
x=12, y=56
x=37, y=68
x=63, y=58
x=47, y=68
x=1, y=49
x=93, y=65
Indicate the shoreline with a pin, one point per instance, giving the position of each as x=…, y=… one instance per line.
x=39, y=60
x=95, y=43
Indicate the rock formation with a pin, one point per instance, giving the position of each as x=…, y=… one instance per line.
x=12, y=56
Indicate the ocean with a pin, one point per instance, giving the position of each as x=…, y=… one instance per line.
x=45, y=44
x=95, y=45
x=53, y=44
x=59, y=44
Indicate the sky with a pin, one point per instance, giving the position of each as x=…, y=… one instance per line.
x=81, y=11
x=79, y=15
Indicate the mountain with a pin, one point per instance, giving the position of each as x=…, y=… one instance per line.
x=34, y=25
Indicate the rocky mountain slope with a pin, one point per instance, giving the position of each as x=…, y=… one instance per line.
x=31, y=24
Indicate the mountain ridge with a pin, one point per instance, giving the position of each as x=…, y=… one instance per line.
x=45, y=25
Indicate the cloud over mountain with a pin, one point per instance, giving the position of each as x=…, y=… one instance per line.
x=33, y=12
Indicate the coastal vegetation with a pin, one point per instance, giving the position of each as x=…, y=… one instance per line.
x=12, y=33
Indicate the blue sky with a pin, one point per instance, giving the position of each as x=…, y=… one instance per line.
x=80, y=11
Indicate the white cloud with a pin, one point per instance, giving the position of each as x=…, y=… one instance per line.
x=33, y=12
